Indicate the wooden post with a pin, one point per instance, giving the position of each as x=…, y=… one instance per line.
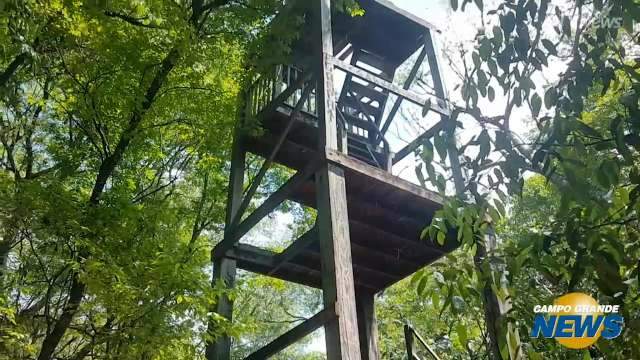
x=408, y=341
x=341, y=334
x=224, y=268
x=367, y=326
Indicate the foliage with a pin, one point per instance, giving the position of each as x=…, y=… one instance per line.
x=116, y=120
x=585, y=144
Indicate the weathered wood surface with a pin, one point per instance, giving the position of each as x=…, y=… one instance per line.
x=338, y=289
x=269, y=160
x=303, y=329
x=368, y=326
x=225, y=269
x=264, y=209
x=391, y=87
x=405, y=86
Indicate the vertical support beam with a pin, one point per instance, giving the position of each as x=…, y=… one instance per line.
x=224, y=269
x=341, y=334
x=367, y=326
x=337, y=269
x=408, y=341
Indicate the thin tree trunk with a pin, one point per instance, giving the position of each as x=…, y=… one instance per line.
x=499, y=329
x=108, y=166
x=51, y=341
x=491, y=305
x=13, y=67
x=5, y=248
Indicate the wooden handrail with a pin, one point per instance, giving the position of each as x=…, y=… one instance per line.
x=391, y=87
x=410, y=333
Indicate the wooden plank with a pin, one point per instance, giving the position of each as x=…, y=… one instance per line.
x=261, y=262
x=408, y=341
x=282, y=97
x=225, y=269
x=337, y=268
x=406, y=86
x=423, y=343
x=268, y=161
x=296, y=248
x=393, y=88
x=367, y=326
x=303, y=329
x=304, y=271
x=364, y=274
x=382, y=176
x=341, y=336
x=265, y=208
x=417, y=142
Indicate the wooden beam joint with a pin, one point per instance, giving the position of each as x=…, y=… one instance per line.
x=301, y=330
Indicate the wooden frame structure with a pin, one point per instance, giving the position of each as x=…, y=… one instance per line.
x=367, y=232
x=410, y=337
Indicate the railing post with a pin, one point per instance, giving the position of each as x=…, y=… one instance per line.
x=408, y=340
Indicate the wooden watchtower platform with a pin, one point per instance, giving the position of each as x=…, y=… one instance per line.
x=369, y=222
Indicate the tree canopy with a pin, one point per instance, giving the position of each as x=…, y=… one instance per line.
x=116, y=119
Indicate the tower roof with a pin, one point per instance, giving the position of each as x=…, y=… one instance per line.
x=384, y=29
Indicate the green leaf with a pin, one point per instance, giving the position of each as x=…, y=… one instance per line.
x=479, y=4
x=566, y=26
x=484, y=141
x=426, y=108
x=508, y=23
x=458, y=303
x=422, y=285
x=485, y=49
x=497, y=35
x=462, y=335
x=587, y=130
x=536, y=104
x=551, y=48
x=435, y=299
x=517, y=96
x=441, y=145
x=491, y=93
x=597, y=4
x=441, y=237
x=454, y=5
x=476, y=59
x=550, y=98
x=617, y=130
x=493, y=67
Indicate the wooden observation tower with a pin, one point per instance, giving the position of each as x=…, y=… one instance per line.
x=326, y=116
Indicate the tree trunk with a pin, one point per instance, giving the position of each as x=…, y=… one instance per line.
x=5, y=248
x=51, y=341
x=108, y=166
x=499, y=330
x=17, y=62
x=491, y=306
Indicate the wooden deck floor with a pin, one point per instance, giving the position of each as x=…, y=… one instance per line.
x=386, y=217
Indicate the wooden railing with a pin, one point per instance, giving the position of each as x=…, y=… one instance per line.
x=274, y=91
x=410, y=335
x=267, y=87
